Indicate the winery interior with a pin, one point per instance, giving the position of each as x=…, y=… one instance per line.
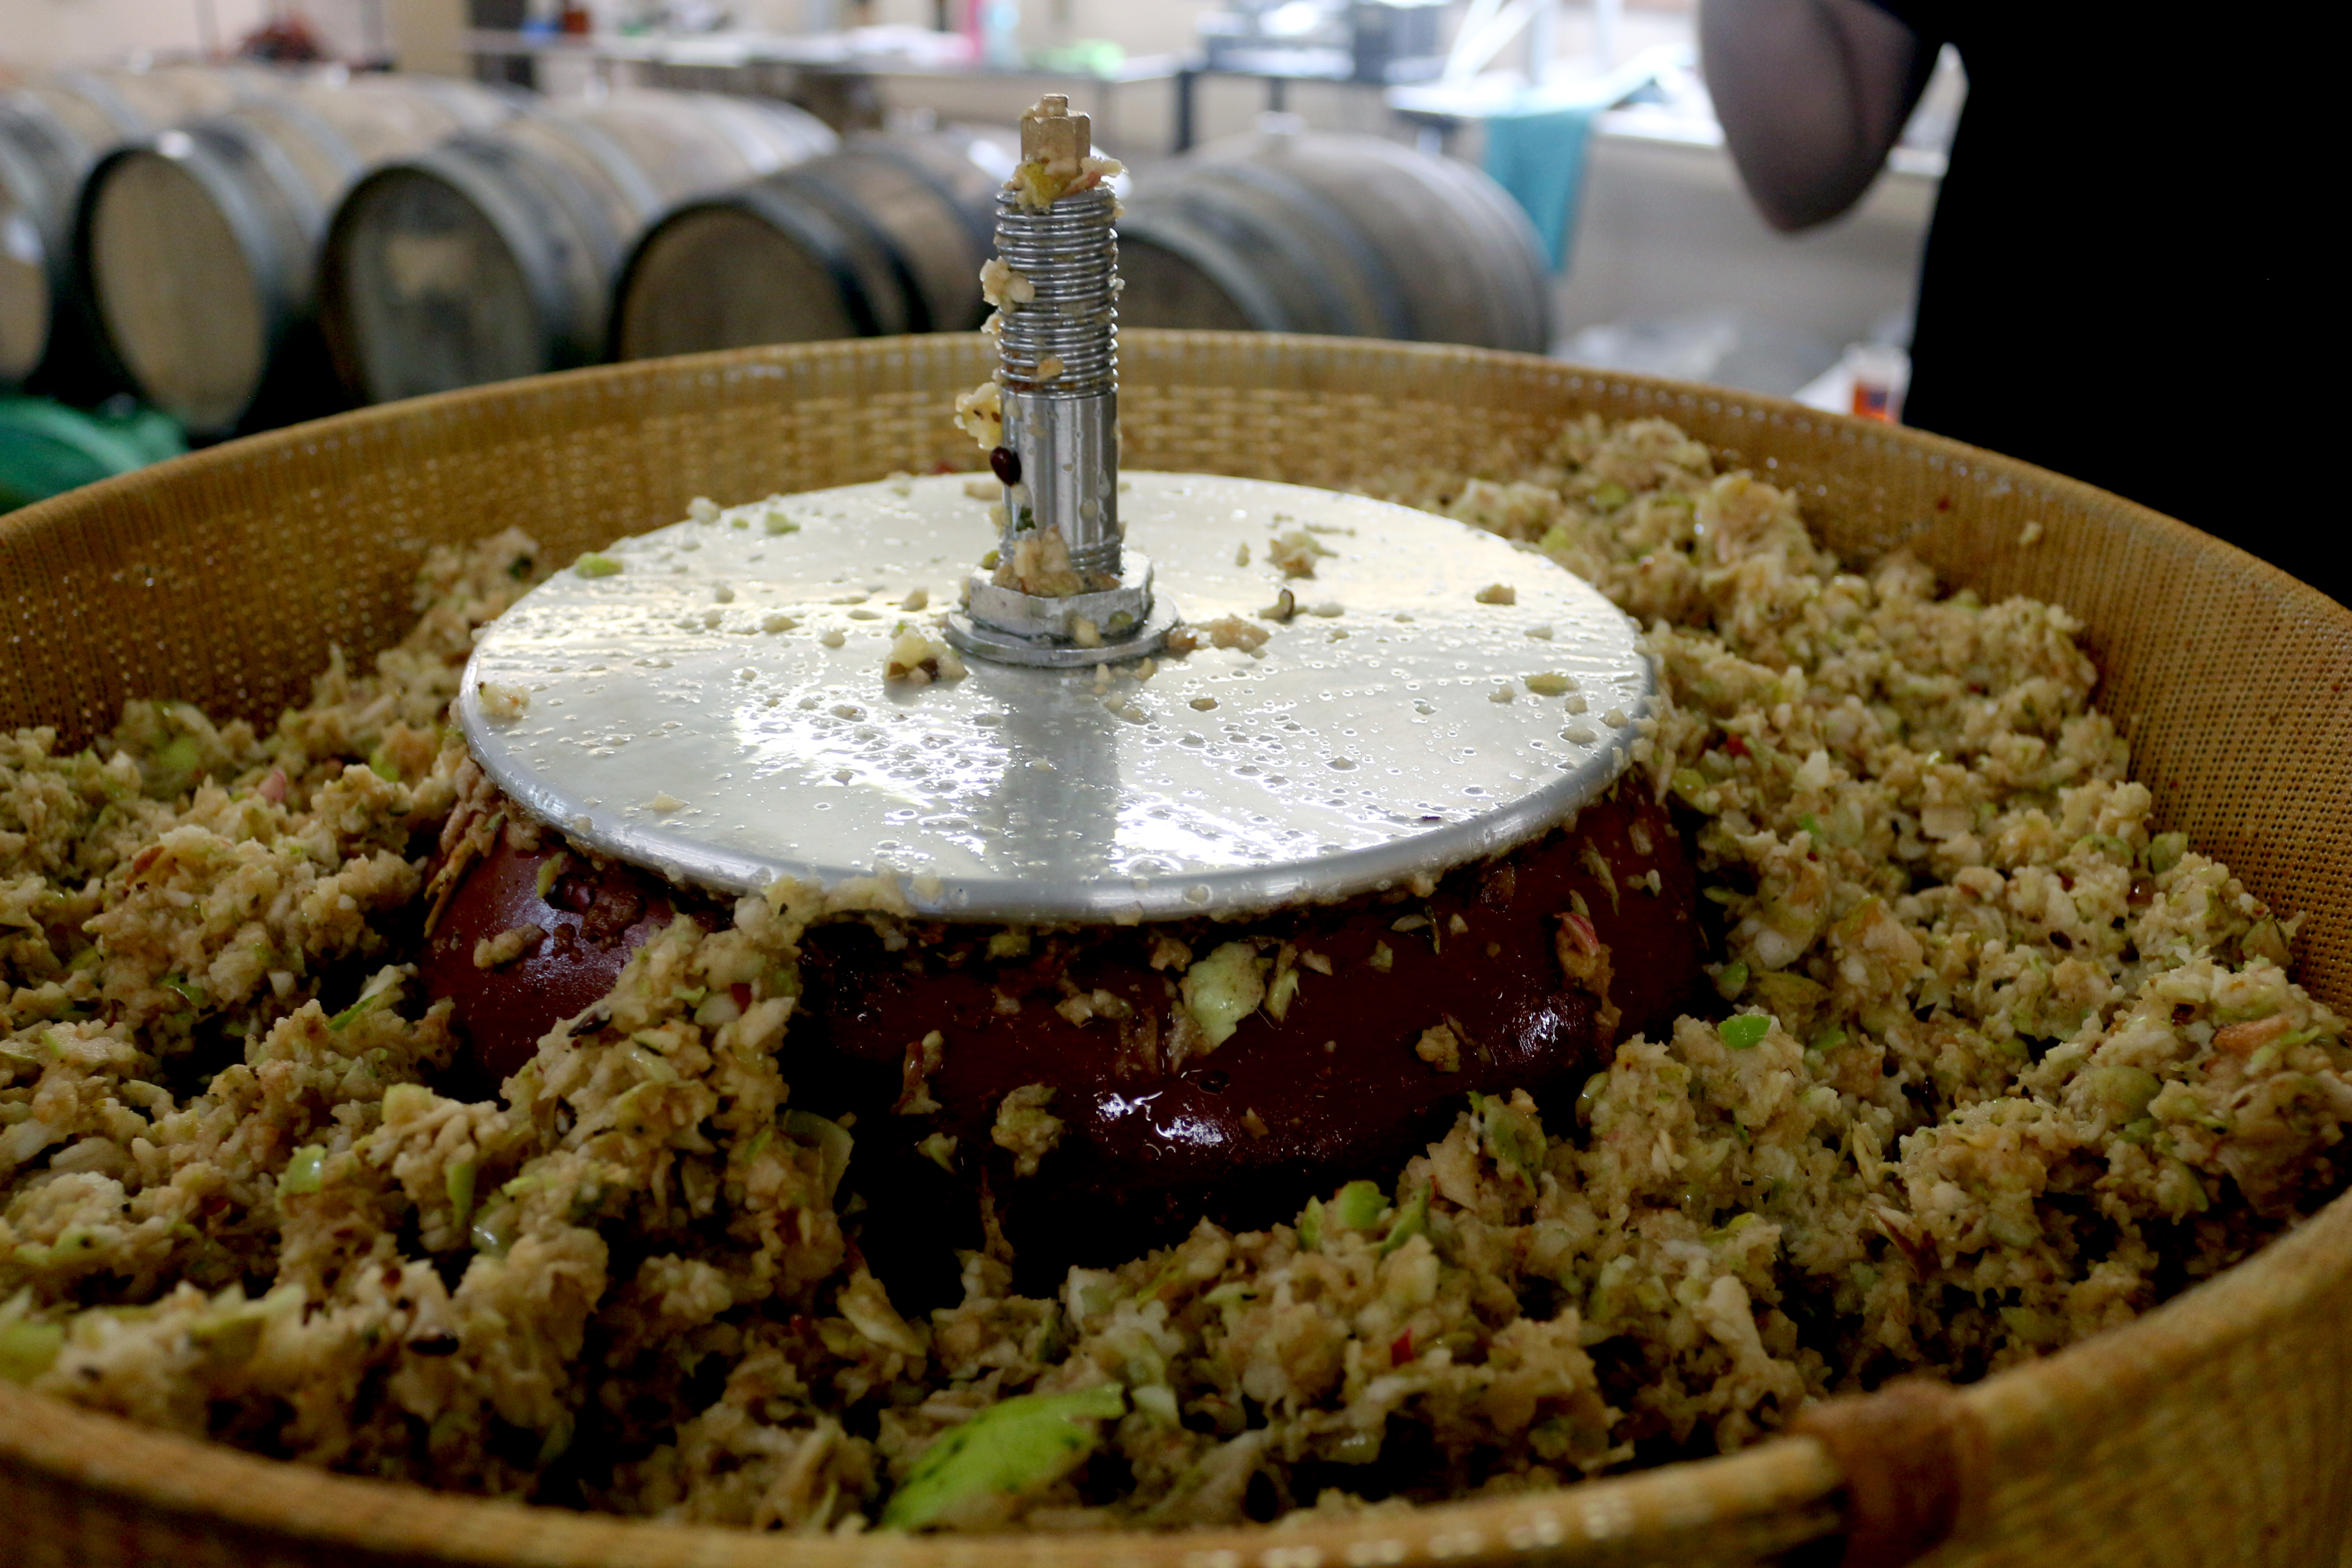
x=1733, y=458
x=225, y=215
x=222, y=216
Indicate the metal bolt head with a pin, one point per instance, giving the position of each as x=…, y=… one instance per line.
x=1051, y=135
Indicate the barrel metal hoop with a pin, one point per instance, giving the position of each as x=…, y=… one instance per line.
x=1246, y=234
x=821, y=184
x=532, y=239
x=299, y=222
x=732, y=117
x=1178, y=233
x=608, y=154
x=539, y=209
x=461, y=97
x=24, y=179
x=99, y=94
x=818, y=226
x=323, y=135
x=1530, y=330
x=1387, y=289
x=31, y=179
x=48, y=146
x=527, y=173
x=22, y=182
x=981, y=226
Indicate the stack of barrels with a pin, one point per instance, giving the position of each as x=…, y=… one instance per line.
x=240, y=247
x=52, y=132
x=200, y=245
x=495, y=254
x=1347, y=235
x=323, y=242
x=886, y=236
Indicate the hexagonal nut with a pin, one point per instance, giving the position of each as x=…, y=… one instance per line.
x=1050, y=133
x=1110, y=613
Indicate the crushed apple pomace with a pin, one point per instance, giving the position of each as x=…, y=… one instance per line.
x=2004, y=1067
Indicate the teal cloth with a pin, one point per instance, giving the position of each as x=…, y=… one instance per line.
x=46, y=449
x=1538, y=157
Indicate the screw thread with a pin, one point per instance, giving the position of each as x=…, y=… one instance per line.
x=1068, y=252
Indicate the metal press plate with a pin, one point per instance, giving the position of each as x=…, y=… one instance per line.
x=1370, y=743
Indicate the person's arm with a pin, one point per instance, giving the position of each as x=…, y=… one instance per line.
x=1812, y=93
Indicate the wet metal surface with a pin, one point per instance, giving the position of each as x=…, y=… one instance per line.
x=716, y=707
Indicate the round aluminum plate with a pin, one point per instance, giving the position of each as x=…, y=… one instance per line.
x=715, y=710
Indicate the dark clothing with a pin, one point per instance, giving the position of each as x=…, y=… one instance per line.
x=2116, y=284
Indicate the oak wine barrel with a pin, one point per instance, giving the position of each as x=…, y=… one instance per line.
x=52, y=131
x=200, y=245
x=1344, y=235
x=493, y=256
x=886, y=236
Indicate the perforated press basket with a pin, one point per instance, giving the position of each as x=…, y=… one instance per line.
x=2217, y=1430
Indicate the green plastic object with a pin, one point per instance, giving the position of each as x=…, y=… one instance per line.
x=48, y=448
